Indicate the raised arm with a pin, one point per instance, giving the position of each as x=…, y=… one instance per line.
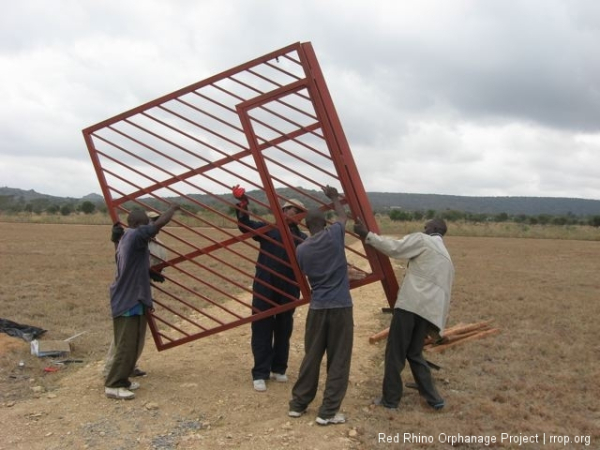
x=166, y=217
x=334, y=196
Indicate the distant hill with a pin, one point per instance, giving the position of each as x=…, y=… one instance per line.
x=26, y=196
x=530, y=206
x=95, y=198
x=385, y=201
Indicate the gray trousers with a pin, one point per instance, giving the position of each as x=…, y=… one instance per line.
x=331, y=331
x=405, y=342
x=129, y=336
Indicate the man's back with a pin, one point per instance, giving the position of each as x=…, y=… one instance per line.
x=427, y=285
x=322, y=259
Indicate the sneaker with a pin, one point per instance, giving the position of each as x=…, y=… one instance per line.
x=279, y=377
x=119, y=393
x=437, y=406
x=296, y=414
x=338, y=418
x=379, y=402
x=134, y=386
x=138, y=373
x=260, y=385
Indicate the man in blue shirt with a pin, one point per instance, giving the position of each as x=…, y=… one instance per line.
x=131, y=298
x=329, y=323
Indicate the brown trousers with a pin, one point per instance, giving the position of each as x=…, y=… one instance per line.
x=129, y=337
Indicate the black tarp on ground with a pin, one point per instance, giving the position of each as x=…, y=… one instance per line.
x=25, y=332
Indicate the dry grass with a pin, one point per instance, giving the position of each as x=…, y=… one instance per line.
x=72, y=219
x=539, y=375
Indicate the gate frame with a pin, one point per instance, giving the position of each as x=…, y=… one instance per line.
x=339, y=151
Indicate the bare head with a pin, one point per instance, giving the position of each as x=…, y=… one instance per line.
x=315, y=220
x=436, y=226
x=136, y=218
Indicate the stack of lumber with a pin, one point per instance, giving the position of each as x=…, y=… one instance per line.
x=379, y=336
x=459, y=334
x=453, y=336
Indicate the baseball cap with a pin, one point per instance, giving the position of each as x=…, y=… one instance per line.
x=295, y=203
x=152, y=215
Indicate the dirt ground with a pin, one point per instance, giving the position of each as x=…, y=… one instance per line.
x=532, y=386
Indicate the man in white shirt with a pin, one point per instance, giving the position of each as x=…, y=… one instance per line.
x=421, y=307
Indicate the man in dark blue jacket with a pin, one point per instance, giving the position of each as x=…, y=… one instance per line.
x=273, y=285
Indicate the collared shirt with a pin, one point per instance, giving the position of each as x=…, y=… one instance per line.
x=427, y=283
x=158, y=254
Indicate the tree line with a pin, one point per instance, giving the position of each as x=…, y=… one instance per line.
x=11, y=205
x=461, y=216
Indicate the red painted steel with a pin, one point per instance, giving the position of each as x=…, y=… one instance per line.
x=270, y=125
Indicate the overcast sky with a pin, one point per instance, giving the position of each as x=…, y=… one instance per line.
x=475, y=98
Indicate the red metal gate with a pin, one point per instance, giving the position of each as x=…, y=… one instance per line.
x=269, y=125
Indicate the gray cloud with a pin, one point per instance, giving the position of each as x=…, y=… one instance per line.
x=464, y=98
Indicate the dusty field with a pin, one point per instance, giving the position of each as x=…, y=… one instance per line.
x=539, y=376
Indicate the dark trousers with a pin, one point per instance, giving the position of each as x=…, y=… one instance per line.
x=331, y=331
x=271, y=344
x=405, y=342
x=129, y=335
